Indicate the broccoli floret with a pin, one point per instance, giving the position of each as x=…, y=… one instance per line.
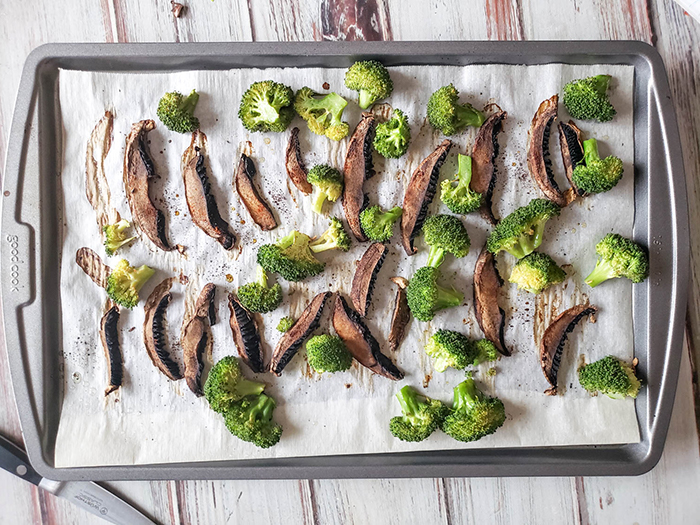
x=520, y=233
x=597, y=175
x=371, y=79
x=445, y=233
x=250, y=419
x=587, y=98
x=619, y=257
x=125, y=281
x=290, y=257
x=285, y=324
x=392, y=137
x=257, y=296
x=460, y=198
x=267, y=106
x=226, y=384
x=485, y=351
x=448, y=115
x=536, y=272
x=334, y=238
x=473, y=415
x=610, y=376
x=425, y=297
x=378, y=225
x=327, y=353
x=421, y=416
x=115, y=236
x=176, y=111
x=328, y=183
x=322, y=115
x=452, y=349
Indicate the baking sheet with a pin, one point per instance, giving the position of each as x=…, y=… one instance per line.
x=154, y=420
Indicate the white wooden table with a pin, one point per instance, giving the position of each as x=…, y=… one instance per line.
x=667, y=495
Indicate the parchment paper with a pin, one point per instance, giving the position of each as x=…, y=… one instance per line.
x=153, y=420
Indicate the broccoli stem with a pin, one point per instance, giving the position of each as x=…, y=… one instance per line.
x=466, y=394
x=319, y=201
x=190, y=102
x=590, y=151
x=262, y=410
x=261, y=276
x=601, y=273
x=245, y=387
x=528, y=241
x=468, y=116
x=366, y=98
x=408, y=398
x=448, y=298
x=600, y=83
x=286, y=241
x=141, y=275
x=436, y=256
x=464, y=172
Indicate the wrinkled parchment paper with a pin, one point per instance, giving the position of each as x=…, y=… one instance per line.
x=153, y=420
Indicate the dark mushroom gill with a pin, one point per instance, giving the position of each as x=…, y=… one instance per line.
x=571, y=150
x=195, y=338
x=366, y=275
x=538, y=159
x=245, y=335
x=484, y=153
x=109, y=335
x=259, y=210
x=294, y=162
x=401, y=316
x=154, y=330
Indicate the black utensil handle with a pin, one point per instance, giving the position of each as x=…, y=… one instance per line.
x=14, y=460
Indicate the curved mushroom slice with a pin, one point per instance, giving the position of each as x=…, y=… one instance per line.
x=200, y=200
x=138, y=172
x=257, y=207
x=360, y=342
x=484, y=153
x=487, y=284
x=401, y=316
x=365, y=276
x=552, y=344
x=109, y=335
x=93, y=266
x=296, y=169
x=96, y=185
x=154, y=331
x=420, y=193
x=538, y=160
x=245, y=335
x=195, y=337
x=571, y=150
x=358, y=168
x=290, y=342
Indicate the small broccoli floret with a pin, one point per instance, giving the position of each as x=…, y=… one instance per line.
x=226, y=384
x=378, y=225
x=125, y=281
x=421, y=416
x=115, y=236
x=267, y=106
x=392, y=137
x=334, y=238
x=425, y=297
x=290, y=257
x=176, y=111
x=619, y=257
x=473, y=415
x=610, y=376
x=485, y=351
x=520, y=233
x=257, y=296
x=322, y=115
x=250, y=419
x=371, y=79
x=587, y=98
x=445, y=233
x=597, y=175
x=327, y=353
x=448, y=115
x=536, y=272
x=328, y=183
x=460, y=198
x=452, y=349
x=285, y=324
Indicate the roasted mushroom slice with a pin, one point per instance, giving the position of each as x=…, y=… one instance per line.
x=401, y=316
x=571, y=150
x=484, y=153
x=420, y=193
x=552, y=344
x=200, y=200
x=365, y=276
x=245, y=335
x=290, y=342
x=358, y=168
x=296, y=169
x=195, y=338
x=538, y=160
x=154, y=331
x=487, y=284
x=93, y=266
x=257, y=207
x=360, y=342
x=109, y=334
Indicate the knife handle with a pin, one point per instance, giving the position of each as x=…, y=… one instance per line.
x=14, y=460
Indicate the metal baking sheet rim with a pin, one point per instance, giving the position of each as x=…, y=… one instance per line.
x=29, y=248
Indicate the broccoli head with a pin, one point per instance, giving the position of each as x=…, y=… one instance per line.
x=521, y=232
x=445, y=233
x=125, y=281
x=267, y=106
x=250, y=419
x=327, y=353
x=448, y=115
x=328, y=183
x=456, y=194
x=452, y=349
x=597, y=175
x=421, y=416
x=425, y=297
x=610, y=376
x=587, y=98
x=619, y=257
x=176, y=111
x=378, y=225
x=392, y=137
x=257, y=296
x=334, y=238
x=371, y=79
x=322, y=115
x=115, y=236
x=285, y=324
x=226, y=384
x=536, y=272
x=290, y=257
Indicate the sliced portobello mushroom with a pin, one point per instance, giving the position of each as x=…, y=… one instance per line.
x=420, y=193
x=93, y=266
x=487, y=285
x=484, y=153
x=257, y=207
x=358, y=168
x=245, y=335
x=296, y=169
x=366, y=275
x=195, y=338
x=401, y=316
x=290, y=342
x=109, y=335
x=200, y=200
x=554, y=338
x=154, y=331
x=538, y=160
x=571, y=150
x=360, y=342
